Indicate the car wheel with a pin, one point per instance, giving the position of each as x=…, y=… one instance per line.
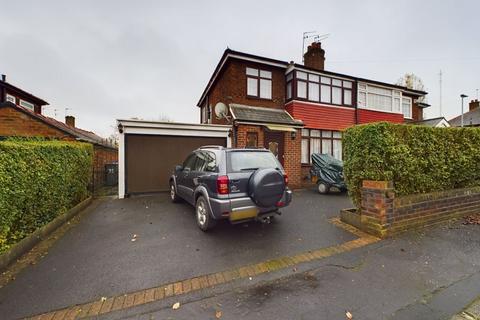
x=173, y=193
x=203, y=215
x=322, y=188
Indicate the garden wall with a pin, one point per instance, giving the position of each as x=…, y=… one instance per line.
x=383, y=213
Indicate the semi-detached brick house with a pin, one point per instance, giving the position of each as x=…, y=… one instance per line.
x=21, y=116
x=296, y=110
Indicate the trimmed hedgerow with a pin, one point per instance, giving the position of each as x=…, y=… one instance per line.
x=418, y=159
x=39, y=180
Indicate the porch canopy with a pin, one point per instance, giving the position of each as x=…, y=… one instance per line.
x=271, y=118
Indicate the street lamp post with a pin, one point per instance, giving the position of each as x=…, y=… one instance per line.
x=463, y=96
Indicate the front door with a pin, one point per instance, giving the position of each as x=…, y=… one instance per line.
x=273, y=141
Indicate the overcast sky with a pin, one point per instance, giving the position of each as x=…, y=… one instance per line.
x=106, y=60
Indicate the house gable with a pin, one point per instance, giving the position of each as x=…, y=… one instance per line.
x=14, y=122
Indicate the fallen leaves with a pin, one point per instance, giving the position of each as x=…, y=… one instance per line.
x=472, y=219
x=103, y=299
x=218, y=314
x=176, y=305
x=349, y=315
x=134, y=238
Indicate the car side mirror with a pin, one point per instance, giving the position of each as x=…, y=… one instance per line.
x=178, y=168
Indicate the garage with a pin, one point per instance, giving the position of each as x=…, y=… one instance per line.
x=148, y=151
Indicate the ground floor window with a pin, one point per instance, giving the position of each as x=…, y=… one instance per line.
x=321, y=141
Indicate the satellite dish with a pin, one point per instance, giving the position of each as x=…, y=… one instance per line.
x=221, y=110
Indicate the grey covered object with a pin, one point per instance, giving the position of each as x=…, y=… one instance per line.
x=329, y=170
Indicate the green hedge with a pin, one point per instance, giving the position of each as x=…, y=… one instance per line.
x=417, y=159
x=39, y=180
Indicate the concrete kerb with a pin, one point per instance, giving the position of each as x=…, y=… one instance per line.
x=40, y=234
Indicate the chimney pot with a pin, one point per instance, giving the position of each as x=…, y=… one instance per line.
x=315, y=56
x=70, y=121
x=4, y=77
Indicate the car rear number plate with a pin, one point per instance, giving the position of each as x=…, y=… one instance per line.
x=243, y=214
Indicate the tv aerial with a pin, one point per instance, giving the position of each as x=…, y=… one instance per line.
x=312, y=35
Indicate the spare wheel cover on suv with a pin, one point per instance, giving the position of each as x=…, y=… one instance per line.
x=266, y=187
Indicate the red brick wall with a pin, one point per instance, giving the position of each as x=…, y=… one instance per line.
x=292, y=159
x=231, y=87
x=383, y=213
x=102, y=156
x=16, y=123
x=242, y=131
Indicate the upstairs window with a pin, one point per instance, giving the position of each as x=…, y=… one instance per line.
x=379, y=98
x=27, y=104
x=11, y=98
x=407, y=107
x=259, y=83
x=316, y=88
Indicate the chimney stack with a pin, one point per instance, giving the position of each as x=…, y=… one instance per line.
x=4, y=77
x=474, y=104
x=70, y=121
x=315, y=56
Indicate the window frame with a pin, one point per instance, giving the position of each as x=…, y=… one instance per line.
x=325, y=83
x=331, y=137
x=410, y=106
x=11, y=96
x=29, y=105
x=258, y=79
x=251, y=134
x=396, y=94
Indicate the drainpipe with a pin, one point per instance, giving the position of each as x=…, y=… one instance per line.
x=354, y=96
x=234, y=133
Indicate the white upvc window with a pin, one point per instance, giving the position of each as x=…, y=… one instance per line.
x=27, y=104
x=379, y=98
x=11, y=98
x=407, y=107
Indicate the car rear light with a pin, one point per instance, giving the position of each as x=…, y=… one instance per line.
x=285, y=178
x=222, y=185
x=280, y=204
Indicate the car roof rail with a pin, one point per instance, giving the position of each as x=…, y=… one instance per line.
x=211, y=147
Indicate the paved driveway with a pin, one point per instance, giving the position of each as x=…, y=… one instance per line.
x=97, y=258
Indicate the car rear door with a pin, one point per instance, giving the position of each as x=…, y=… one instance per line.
x=184, y=185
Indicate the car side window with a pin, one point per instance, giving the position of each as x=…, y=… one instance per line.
x=210, y=162
x=200, y=163
x=190, y=162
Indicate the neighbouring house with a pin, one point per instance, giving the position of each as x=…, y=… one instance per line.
x=439, y=122
x=470, y=118
x=298, y=109
x=21, y=116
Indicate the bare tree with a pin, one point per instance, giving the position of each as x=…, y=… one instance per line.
x=413, y=82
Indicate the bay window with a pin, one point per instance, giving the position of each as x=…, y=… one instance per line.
x=259, y=83
x=379, y=98
x=320, y=141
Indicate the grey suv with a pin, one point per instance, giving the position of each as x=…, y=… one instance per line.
x=234, y=184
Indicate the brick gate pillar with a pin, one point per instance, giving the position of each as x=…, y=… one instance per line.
x=377, y=206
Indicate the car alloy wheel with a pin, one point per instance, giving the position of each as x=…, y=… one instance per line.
x=201, y=213
x=172, y=191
